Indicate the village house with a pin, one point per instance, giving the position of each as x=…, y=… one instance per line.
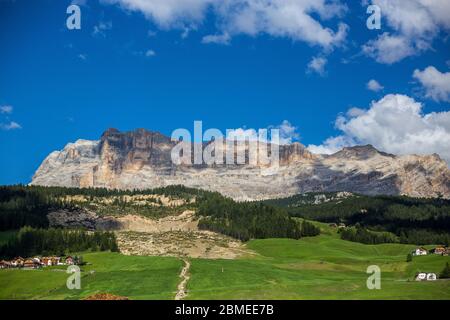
x=69, y=261
x=440, y=250
x=422, y=276
x=31, y=264
x=17, y=262
x=333, y=225
x=431, y=277
x=35, y=262
x=51, y=261
x=46, y=261
x=420, y=252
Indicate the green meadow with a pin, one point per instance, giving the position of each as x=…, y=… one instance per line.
x=323, y=267
x=133, y=277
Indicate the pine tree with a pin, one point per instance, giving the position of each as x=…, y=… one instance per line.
x=409, y=257
x=445, y=274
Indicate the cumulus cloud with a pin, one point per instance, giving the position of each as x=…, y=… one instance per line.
x=217, y=38
x=418, y=133
x=355, y=112
x=298, y=20
x=389, y=49
x=374, y=85
x=317, y=65
x=435, y=83
x=414, y=24
x=12, y=125
x=6, y=109
x=331, y=145
x=288, y=133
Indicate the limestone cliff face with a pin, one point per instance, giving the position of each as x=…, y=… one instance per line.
x=142, y=159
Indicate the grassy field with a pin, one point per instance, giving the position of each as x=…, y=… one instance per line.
x=133, y=277
x=322, y=267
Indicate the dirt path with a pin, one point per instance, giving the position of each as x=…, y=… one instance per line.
x=182, y=293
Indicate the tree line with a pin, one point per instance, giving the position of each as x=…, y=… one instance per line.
x=30, y=242
x=247, y=220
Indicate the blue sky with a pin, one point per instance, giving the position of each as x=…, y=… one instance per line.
x=161, y=65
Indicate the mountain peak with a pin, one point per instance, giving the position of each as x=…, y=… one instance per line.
x=361, y=152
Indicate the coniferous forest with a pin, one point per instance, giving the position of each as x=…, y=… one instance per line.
x=249, y=220
x=30, y=242
x=378, y=219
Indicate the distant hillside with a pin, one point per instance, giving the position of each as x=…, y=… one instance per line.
x=89, y=208
x=412, y=220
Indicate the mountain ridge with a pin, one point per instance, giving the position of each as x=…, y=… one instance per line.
x=141, y=159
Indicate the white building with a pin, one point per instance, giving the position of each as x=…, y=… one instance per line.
x=431, y=277
x=420, y=252
x=421, y=276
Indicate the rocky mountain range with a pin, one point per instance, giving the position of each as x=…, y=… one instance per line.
x=142, y=159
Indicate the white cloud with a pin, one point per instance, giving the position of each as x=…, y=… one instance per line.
x=101, y=27
x=287, y=133
x=355, y=112
x=435, y=83
x=79, y=2
x=331, y=145
x=6, y=109
x=185, y=33
x=418, y=133
x=414, y=24
x=317, y=65
x=374, y=85
x=150, y=53
x=298, y=20
x=10, y=126
x=389, y=49
x=217, y=38
x=82, y=56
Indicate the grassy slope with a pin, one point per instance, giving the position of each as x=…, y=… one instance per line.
x=323, y=267
x=133, y=277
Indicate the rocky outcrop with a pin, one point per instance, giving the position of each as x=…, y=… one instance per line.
x=81, y=218
x=142, y=159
